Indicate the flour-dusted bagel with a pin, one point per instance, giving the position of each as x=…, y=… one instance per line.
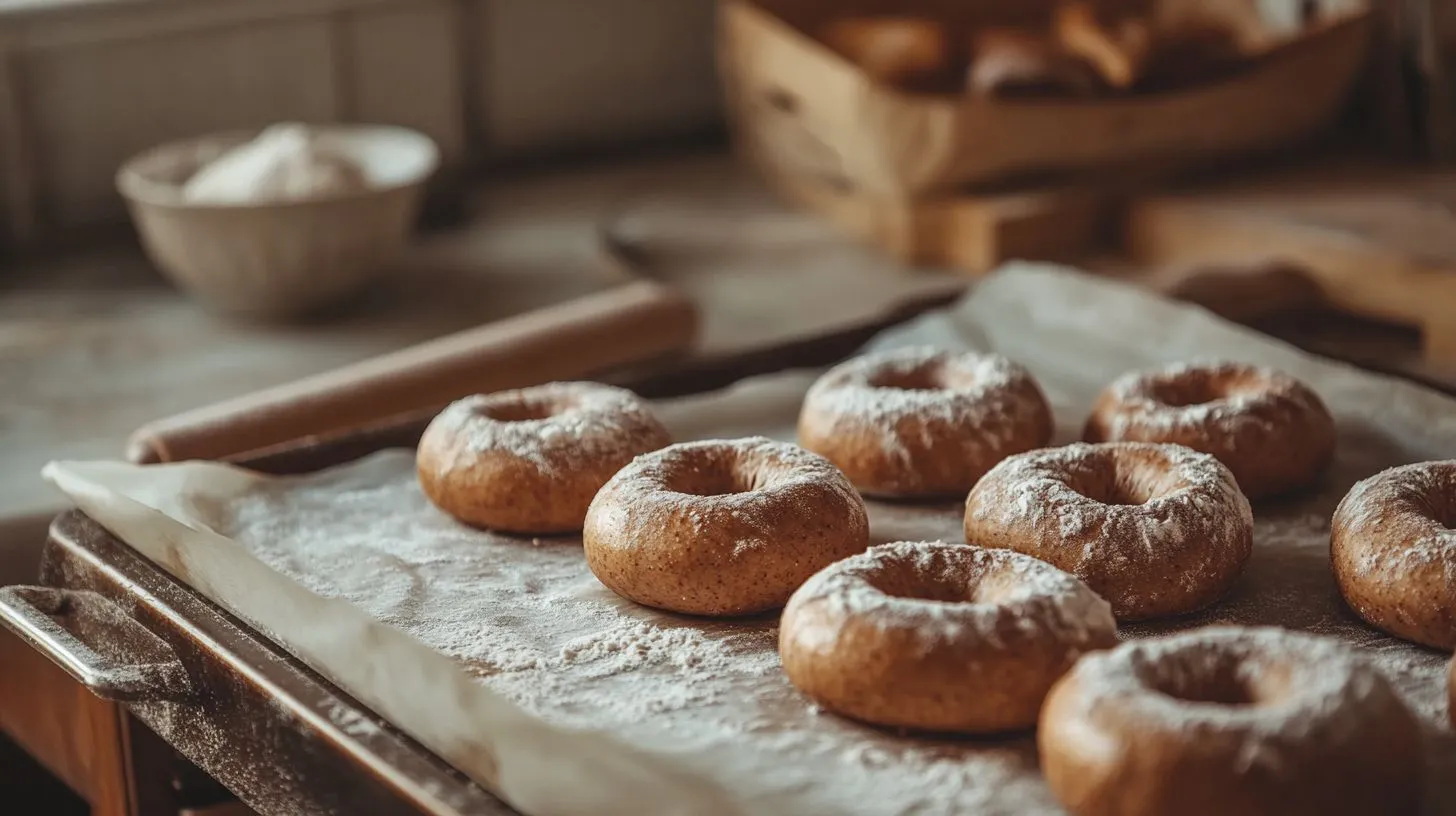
x=1226, y=720
x=1157, y=530
x=1270, y=429
x=530, y=460
x=937, y=636
x=722, y=527
x=923, y=422
x=1394, y=552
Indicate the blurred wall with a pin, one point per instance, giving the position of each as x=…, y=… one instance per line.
x=573, y=73
x=86, y=83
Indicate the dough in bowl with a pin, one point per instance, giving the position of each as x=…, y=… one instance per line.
x=288, y=162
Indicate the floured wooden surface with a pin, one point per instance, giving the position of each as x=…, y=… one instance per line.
x=92, y=345
x=525, y=619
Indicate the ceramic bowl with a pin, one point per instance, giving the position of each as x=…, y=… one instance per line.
x=287, y=258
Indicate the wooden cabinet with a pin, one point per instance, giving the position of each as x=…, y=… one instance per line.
x=77, y=736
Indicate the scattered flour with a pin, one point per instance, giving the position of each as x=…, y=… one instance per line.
x=352, y=722
x=528, y=620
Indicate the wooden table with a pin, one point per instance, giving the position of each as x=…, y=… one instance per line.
x=95, y=344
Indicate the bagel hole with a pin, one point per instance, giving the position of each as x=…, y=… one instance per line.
x=1112, y=479
x=520, y=411
x=709, y=478
x=942, y=586
x=1117, y=491
x=1218, y=682
x=923, y=378
x=710, y=485
x=922, y=590
x=1442, y=511
x=1184, y=393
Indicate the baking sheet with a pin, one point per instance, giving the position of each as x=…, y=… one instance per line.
x=509, y=660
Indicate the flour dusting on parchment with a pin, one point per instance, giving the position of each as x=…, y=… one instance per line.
x=527, y=618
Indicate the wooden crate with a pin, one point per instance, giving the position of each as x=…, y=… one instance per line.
x=971, y=232
x=799, y=109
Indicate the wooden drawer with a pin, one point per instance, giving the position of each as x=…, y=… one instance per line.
x=76, y=735
x=73, y=733
x=273, y=733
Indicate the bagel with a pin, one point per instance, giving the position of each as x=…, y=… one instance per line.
x=1157, y=530
x=918, y=422
x=940, y=637
x=721, y=527
x=530, y=460
x=1223, y=720
x=1272, y=431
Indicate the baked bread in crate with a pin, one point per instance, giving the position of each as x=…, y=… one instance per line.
x=907, y=99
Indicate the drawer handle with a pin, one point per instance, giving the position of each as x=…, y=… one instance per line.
x=96, y=643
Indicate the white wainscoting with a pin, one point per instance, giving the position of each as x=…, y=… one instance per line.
x=86, y=83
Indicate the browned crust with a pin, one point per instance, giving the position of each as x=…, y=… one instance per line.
x=1277, y=440
x=667, y=533
x=1175, y=548
x=986, y=672
x=506, y=489
x=1386, y=552
x=1102, y=758
x=939, y=451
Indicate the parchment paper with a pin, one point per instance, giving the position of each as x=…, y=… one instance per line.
x=508, y=659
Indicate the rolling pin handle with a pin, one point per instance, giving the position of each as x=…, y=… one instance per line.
x=1242, y=292
x=97, y=644
x=633, y=324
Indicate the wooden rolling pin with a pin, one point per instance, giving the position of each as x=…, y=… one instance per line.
x=1241, y=292
x=629, y=324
